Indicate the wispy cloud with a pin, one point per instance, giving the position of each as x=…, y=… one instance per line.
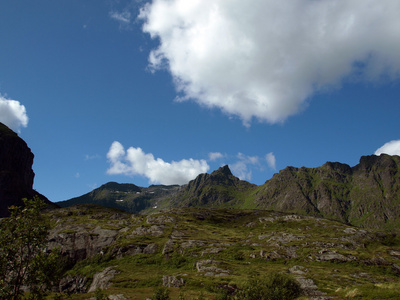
x=391, y=148
x=242, y=168
x=213, y=156
x=122, y=17
x=271, y=160
x=91, y=157
x=264, y=59
x=134, y=161
x=13, y=114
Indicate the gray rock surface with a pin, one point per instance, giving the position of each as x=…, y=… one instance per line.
x=102, y=280
x=172, y=281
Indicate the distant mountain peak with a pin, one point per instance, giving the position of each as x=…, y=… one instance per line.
x=224, y=170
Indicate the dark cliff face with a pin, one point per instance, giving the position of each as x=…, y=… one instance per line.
x=367, y=194
x=16, y=174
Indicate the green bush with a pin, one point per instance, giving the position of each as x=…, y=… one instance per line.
x=161, y=293
x=277, y=286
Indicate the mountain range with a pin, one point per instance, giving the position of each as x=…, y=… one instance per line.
x=210, y=238
x=366, y=195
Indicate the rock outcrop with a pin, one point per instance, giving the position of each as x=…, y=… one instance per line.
x=16, y=174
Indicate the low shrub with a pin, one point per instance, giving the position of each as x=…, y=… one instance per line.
x=277, y=286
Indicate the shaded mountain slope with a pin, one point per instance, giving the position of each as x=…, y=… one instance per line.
x=126, y=196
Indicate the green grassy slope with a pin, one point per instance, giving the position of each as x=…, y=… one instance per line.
x=219, y=250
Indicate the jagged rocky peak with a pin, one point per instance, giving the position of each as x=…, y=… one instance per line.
x=223, y=175
x=337, y=166
x=222, y=171
x=16, y=174
x=374, y=162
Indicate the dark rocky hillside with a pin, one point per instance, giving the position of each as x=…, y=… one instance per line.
x=126, y=196
x=366, y=195
x=218, y=189
x=16, y=174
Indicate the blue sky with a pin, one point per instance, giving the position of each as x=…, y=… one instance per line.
x=152, y=92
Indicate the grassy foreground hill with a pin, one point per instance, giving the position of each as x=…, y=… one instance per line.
x=200, y=253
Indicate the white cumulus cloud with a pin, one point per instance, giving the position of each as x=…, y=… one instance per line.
x=264, y=58
x=134, y=161
x=13, y=114
x=212, y=156
x=391, y=148
x=271, y=160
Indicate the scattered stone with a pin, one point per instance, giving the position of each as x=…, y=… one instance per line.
x=273, y=255
x=117, y=216
x=176, y=234
x=153, y=230
x=172, y=281
x=308, y=286
x=350, y=230
x=212, y=251
x=291, y=252
x=128, y=250
x=161, y=219
x=396, y=269
x=208, y=266
x=117, y=297
x=298, y=270
x=102, y=279
x=263, y=236
x=332, y=256
x=286, y=238
x=266, y=219
x=394, y=253
x=251, y=224
x=150, y=249
x=73, y=284
x=192, y=243
x=293, y=218
x=169, y=247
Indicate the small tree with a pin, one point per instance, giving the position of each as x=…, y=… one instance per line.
x=23, y=260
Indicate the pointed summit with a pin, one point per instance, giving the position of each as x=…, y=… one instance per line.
x=222, y=171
